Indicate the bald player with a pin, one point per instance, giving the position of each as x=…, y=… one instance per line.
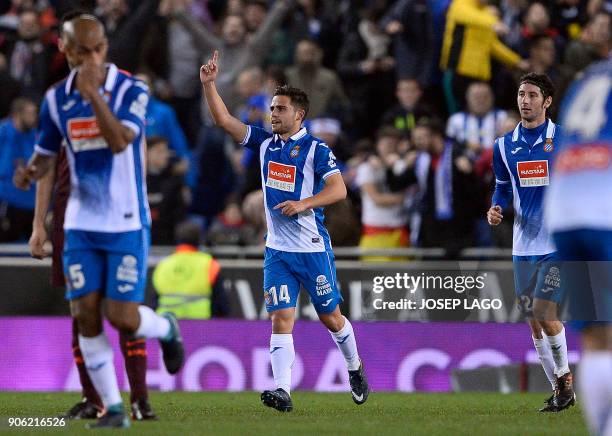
x=98, y=112
x=57, y=183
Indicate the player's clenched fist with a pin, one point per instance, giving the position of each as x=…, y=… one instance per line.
x=494, y=215
x=208, y=71
x=22, y=178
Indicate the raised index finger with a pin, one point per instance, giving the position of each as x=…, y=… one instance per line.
x=215, y=57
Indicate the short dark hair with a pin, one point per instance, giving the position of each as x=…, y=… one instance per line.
x=152, y=141
x=188, y=232
x=298, y=98
x=388, y=132
x=19, y=104
x=537, y=39
x=434, y=124
x=542, y=81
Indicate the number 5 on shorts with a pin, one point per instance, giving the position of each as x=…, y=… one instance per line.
x=283, y=296
x=77, y=278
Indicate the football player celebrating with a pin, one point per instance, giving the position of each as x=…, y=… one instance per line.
x=299, y=177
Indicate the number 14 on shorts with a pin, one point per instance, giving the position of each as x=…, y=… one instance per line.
x=272, y=298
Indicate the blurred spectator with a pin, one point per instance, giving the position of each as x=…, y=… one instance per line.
x=126, y=30
x=230, y=228
x=9, y=88
x=254, y=214
x=511, y=13
x=27, y=56
x=568, y=16
x=410, y=24
x=323, y=86
x=17, y=139
x=536, y=24
x=254, y=110
x=255, y=102
x=471, y=41
x=368, y=72
x=452, y=198
x=188, y=282
x=330, y=131
x=404, y=115
x=542, y=59
x=318, y=20
x=384, y=221
x=477, y=127
x=237, y=52
x=164, y=191
x=593, y=45
x=161, y=122
x=182, y=87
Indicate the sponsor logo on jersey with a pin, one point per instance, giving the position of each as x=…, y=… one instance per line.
x=85, y=134
x=588, y=157
x=281, y=176
x=532, y=173
x=295, y=151
x=516, y=150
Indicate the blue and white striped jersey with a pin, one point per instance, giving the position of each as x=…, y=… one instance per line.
x=293, y=170
x=108, y=191
x=581, y=196
x=522, y=160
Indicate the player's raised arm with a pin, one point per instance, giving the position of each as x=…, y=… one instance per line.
x=221, y=116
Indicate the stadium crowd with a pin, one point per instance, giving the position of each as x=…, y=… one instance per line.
x=409, y=94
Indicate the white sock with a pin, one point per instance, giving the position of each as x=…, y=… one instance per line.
x=596, y=390
x=282, y=355
x=558, y=348
x=98, y=358
x=546, y=358
x=152, y=325
x=345, y=339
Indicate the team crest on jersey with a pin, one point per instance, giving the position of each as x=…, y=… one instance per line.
x=281, y=176
x=295, y=151
x=84, y=134
x=548, y=146
x=532, y=173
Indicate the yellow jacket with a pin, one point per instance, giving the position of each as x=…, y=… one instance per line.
x=470, y=41
x=184, y=282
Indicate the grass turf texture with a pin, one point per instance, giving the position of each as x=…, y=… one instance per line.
x=187, y=414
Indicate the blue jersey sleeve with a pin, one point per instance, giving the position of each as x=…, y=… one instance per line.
x=254, y=137
x=133, y=107
x=49, y=137
x=503, y=185
x=324, y=161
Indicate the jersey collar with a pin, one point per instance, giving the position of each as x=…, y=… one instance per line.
x=299, y=135
x=109, y=83
x=550, y=132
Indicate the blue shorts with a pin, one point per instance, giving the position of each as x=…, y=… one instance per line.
x=284, y=272
x=587, y=257
x=114, y=264
x=537, y=277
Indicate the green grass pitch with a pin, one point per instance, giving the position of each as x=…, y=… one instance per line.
x=206, y=413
